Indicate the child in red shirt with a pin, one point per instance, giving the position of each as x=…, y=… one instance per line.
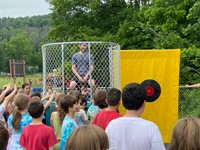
x=103, y=118
x=37, y=136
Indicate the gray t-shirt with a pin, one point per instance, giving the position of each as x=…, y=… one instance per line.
x=82, y=62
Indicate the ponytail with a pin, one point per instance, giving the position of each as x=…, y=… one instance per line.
x=61, y=115
x=16, y=118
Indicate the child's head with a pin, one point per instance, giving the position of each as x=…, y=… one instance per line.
x=4, y=136
x=96, y=138
x=35, y=108
x=69, y=102
x=186, y=134
x=133, y=96
x=21, y=102
x=113, y=97
x=36, y=94
x=26, y=88
x=100, y=99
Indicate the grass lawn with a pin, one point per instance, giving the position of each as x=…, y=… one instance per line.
x=19, y=80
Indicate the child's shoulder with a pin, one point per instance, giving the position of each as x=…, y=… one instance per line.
x=39, y=126
x=68, y=121
x=54, y=113
x=68, y=118
x=26, y=116
x=93, y=107
x=47, y=127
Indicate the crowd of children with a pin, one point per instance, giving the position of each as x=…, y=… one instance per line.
x=24, y=123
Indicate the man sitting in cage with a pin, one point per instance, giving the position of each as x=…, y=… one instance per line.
x=82, y=67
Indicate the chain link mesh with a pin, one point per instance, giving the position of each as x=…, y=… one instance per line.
x=189, y=104
x=57, y=65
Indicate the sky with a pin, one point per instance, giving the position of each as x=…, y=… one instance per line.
x=23, y=8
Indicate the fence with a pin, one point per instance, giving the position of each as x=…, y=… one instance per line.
x=57, y=64
x=189, y=102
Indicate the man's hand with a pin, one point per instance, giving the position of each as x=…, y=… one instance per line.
x=80, y=79
x=85, y=78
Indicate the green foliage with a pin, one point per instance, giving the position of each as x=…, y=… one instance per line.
x=189, y=72
x=73, y=18
x=21, y=38
x=133, y=24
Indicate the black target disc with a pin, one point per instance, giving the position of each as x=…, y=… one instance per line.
x=152, y=88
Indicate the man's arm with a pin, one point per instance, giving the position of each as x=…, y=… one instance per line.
x=193, y=85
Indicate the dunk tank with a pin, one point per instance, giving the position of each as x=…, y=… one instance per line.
x=57, y=66
x=156, y=70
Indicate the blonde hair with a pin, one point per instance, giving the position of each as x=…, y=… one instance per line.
x=21, y=103
x=87, y=137
x=186, y=134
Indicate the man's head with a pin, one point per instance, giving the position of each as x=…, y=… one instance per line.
x=133, y=96
x=35, y=107
x=113, y=97
x=83, y=46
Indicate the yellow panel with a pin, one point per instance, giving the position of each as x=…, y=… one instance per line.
x=162, y=66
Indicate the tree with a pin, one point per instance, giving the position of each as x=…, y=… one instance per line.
x=167, y=19
x=192, y=30
x=189, y=72
x=72, y=19
x=21, y=38
x=19, y=47
x=3, y=67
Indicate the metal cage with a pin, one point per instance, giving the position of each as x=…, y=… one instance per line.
x=57, y=65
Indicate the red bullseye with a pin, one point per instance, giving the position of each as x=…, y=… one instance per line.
x=149, y=91
x=152, y=89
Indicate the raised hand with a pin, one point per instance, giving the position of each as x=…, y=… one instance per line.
x=9, y=87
